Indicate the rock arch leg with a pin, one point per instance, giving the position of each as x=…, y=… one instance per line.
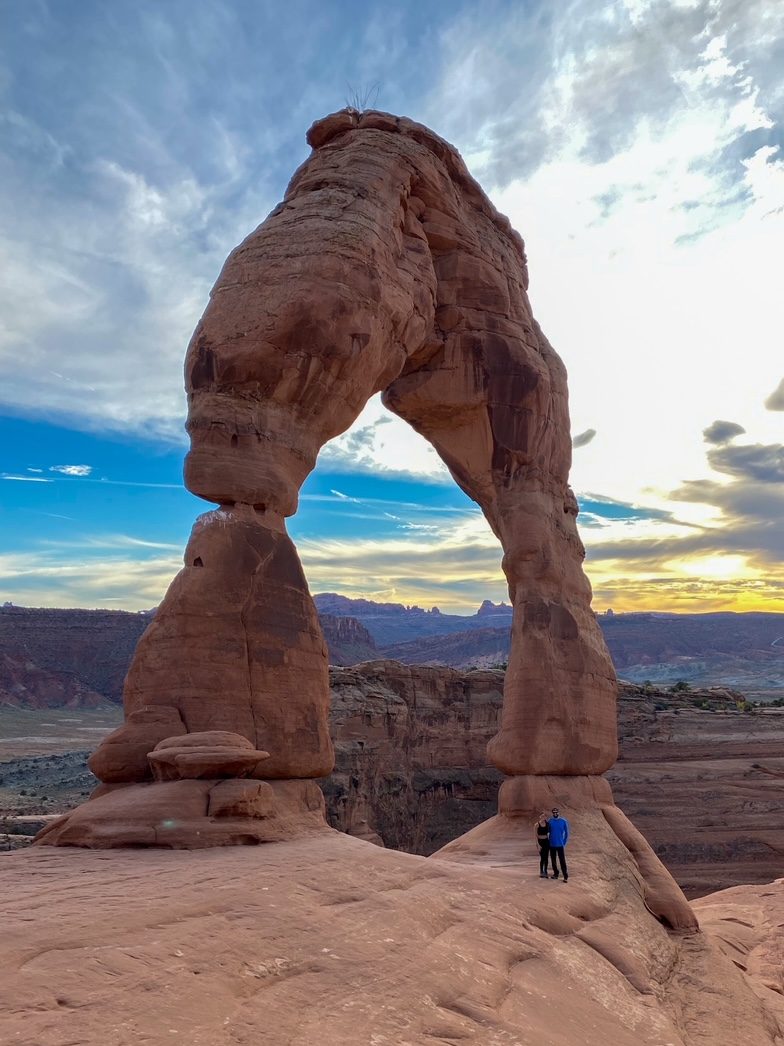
x=313, y=313
x=492, y=401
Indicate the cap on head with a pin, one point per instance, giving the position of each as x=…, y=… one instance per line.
x=555, y=811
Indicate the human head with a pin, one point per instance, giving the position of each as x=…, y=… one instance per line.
x=555, y=811
x=542, y=816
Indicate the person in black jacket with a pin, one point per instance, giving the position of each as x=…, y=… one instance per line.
x=542, y=829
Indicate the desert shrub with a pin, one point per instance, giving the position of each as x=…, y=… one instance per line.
x=679, y=687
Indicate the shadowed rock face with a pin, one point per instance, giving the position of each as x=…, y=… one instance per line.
x=385, y=268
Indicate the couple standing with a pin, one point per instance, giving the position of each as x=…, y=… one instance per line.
x=552, y=835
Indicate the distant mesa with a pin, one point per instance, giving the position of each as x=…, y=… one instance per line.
x=490, y=608
x=90, y=650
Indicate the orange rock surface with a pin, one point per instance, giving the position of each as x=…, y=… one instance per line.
x=331, y=940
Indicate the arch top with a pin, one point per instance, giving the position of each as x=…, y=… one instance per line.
x=330, y=127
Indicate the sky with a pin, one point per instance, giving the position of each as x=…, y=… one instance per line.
x=638, y=147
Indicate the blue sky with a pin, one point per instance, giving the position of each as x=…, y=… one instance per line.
x=636, y=145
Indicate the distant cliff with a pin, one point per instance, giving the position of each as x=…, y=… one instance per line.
x=391, y=623
x=52, y=658
x=88, y=651
x=348, y=641
x=745, y=651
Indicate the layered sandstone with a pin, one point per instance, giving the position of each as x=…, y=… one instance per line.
x=411, y=752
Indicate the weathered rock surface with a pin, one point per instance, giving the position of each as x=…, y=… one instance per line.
x=746, y=922
x=236, y=645
x=122, y=756
x=213, y=754
x=411, y=752
x=387, y=269
x=329, y=940
x=191, y=814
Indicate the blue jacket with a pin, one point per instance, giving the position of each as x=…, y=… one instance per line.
x=559, y=831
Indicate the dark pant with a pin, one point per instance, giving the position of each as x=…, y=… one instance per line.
x=558, y=851
x=544, y=850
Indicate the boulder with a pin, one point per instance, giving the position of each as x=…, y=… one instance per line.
x=212, y=754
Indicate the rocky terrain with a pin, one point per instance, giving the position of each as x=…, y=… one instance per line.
x=327, y=939
x=699, y=774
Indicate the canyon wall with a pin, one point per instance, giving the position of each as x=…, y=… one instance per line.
x=704, y=784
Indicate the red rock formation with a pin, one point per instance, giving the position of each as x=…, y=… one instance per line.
x=327, y=940
x=385, y=268
x=24, y=684
x=348, y=641
x=236, y=644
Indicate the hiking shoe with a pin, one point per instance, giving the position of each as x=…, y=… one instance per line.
x=566, y=879
x=555, y=876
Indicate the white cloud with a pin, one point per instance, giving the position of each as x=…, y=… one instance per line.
x=43, y=578
x=645, y=199
x=381, y=443
x=72, y=470
x=25, y=479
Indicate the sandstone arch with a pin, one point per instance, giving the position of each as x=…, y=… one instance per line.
x=385, y=268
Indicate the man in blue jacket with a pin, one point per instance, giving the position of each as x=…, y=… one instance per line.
x=559, y=836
